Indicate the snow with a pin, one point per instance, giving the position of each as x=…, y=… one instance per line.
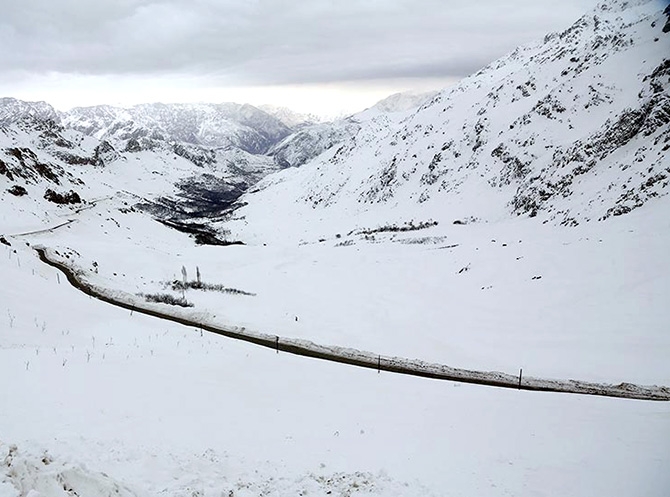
x=562, y=303
x=160, y=408
x=210, y=125
x=375, y=248
x=555, y=130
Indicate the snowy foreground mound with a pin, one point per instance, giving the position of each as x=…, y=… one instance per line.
x=101, y=401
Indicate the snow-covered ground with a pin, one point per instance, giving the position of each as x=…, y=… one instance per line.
x=159, y=408
x=564, y=303
x=98, y=400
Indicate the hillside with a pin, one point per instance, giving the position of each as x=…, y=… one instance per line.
x=555, y=130
x=178, y=160
x=308, y=142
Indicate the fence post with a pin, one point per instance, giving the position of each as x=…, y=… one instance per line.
x=277, y=344
x=520, y=373
x=379, y=364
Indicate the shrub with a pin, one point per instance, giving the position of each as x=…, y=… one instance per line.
x=394, y=228
x=166, y=298
x=178, y=285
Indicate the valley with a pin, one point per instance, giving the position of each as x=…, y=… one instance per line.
x=518, y=221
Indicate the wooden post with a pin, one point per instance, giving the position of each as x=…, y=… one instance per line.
x=520, y=373
x=277, y=344
x=379, y=364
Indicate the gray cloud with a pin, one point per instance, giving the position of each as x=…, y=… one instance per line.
x=271, y=41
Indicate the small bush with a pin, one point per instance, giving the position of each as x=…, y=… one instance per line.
x=166, y=298
x=198, y=285
x=394, y=228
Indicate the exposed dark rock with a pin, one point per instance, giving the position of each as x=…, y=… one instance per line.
x=75, y=160
x=18, y=191
x=5, y=170
x=29, y=161
x=70, y=197
x=133, y=145
x=513, y=167
x=197, y=155
x=203, y=234
x=104, y=153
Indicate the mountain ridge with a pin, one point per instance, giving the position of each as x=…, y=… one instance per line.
x=553, y=130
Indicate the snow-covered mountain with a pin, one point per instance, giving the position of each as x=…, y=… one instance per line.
x=49, y=160
x=211, y=125
x=570, y=129
x=13, y=110
x=400, y=102
x=292, y=119
x=310, y=141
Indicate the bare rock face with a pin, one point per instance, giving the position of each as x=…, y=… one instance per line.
x=70, y=197
x=18, y=191
x=105, y=154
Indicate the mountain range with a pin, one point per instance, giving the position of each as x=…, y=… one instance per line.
x=553, y=130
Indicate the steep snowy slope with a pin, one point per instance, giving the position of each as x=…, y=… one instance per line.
x=43, y=166
x=570, y=129
x=400, y=102
x=307, y=143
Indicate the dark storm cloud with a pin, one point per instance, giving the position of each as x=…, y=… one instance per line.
x=268, y=42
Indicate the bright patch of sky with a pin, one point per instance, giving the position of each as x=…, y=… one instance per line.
x=318, y=56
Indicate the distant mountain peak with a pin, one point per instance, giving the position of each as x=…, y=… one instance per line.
x=12, y=110
x=291, y=118
x=403, y=101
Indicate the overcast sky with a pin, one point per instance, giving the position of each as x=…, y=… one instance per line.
x=320, y=55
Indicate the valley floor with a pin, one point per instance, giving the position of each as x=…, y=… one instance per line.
x=130, y=403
